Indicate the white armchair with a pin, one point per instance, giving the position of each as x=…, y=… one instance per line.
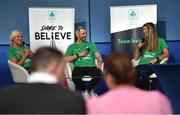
x=152, y=76
x=135, y=63
x=68, y=73
x=19, y=74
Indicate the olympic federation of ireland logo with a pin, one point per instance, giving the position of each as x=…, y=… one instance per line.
x=133, y=16
x=52, y=15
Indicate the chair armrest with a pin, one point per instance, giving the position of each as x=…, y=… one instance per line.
x=19, y=74
x=102, y=66
x=69, y=71
x=164, y=61
x=135, y=62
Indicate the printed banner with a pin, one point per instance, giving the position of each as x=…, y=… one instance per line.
x=126, y=25
x=52, y=27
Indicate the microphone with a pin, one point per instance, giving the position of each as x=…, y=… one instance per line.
x=23, y=44
x=87, y=49
x=143, y=40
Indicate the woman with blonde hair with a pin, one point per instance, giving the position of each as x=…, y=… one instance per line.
x=18, y=53
x=123, y=97
x=152, y=50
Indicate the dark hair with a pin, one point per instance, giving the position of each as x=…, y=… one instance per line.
x=79, y=28
x=44, y=56
x=120, y=67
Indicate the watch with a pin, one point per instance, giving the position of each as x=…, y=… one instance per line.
x=77, y=54
x=23, y=57
x=157, y=59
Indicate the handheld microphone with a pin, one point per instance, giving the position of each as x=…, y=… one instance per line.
x=142, y=40
x=24, y=44
x=87, y=49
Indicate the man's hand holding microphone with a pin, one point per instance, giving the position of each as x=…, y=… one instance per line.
x=84, y=53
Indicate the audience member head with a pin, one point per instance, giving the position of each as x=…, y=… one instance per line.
x=81, y=33
x=16, y=37
x=49, y=60
x=119, y=71
x=151, y=36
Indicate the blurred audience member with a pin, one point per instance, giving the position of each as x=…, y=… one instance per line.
x=43, y=94
x=123, y=97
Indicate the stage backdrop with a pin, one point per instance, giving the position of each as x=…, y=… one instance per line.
x=51, y=27
x=126, y=25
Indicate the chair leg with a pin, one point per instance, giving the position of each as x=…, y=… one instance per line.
x=152, y=84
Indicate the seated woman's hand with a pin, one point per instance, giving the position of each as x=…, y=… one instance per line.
x=140, y=45
x=153, y=61
x=21, y=53
x=26, y=52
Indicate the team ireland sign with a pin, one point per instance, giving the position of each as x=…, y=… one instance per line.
x=126, y=25
x=51, y=27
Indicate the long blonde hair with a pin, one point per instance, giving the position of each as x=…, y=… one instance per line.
x=152, y=38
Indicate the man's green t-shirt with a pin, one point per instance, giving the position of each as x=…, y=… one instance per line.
x=147, y=56
x=89, y=60
x=13, y=53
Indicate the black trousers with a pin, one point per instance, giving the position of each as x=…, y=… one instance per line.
x=143, y=73
x=79, y=72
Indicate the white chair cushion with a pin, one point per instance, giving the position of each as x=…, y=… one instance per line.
x=86, y=78
x=19, y=74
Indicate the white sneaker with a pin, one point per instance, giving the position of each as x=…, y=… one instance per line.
x=92, y=93
x=86, y=95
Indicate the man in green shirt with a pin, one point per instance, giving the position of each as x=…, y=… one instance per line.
x=82, y=55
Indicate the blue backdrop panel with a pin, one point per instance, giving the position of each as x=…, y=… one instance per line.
x=104, y=49
x=5, y=74
x=174, y=48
